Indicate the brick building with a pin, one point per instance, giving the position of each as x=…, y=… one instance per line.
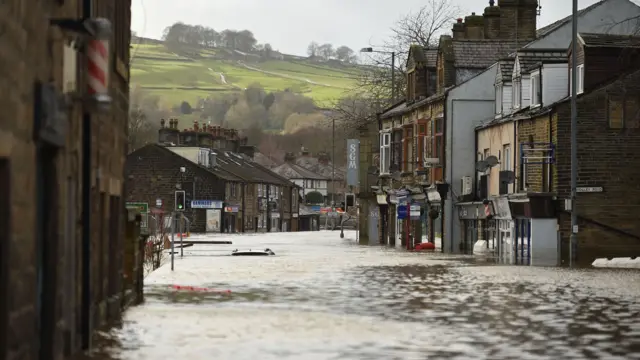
x=50, y=274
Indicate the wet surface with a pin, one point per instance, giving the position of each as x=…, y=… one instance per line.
x=322, y=297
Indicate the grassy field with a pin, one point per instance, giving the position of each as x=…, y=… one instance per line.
x=176, y=78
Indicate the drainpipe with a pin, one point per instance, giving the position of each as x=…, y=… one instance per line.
x=550, y=171
x=516, y=126
x=85, y=309
x=444, y=171
x=268, y=209
x=244, y=210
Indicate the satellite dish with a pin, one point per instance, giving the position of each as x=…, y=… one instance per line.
x=482, y=166
x=372, y=170
x=396, y=175
x=492, y=161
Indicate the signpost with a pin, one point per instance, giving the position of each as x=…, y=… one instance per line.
x=143, y=209
x=353, y=160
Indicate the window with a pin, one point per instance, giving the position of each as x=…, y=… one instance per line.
x=623, y=112
x=505, y=163
x=407, y=140
x=499, y=99
x=259, y=190
x=517, y=91
x=438, y=143
x=385, y=152
x=396, y=149
x=432, y=82
x=411, y=85
x=536, y=93
x=579, y=80
x=421, y=143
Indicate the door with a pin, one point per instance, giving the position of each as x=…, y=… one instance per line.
x=213, y=220
x=374, y=217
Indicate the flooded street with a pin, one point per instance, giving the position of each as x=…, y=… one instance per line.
x=322, y=297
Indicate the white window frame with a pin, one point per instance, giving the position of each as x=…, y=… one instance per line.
x=498, y=109
x=385, y=152
x=534, y=83
x=517, y=91
x=259, y=190
x=505, y=164
x=579, y=80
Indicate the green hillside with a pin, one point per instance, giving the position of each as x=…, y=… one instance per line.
x=201, y=73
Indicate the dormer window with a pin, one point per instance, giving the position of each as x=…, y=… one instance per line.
x=536, y=89
x=579, y=80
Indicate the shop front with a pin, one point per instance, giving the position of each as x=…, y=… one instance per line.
x=232, y=218
x=472, y=217
x=383, y=224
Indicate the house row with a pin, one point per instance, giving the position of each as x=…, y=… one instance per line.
x=225, y=190
x=479, y=150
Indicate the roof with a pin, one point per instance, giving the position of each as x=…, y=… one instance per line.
x=506, y=69
x=546, y=30
x=248, y=170
x=294, y=171
x=426, y=55
x=397, y=109
x=318, y=167
x=431, y=55
x=529, y=58
x=480, y=54
x=264, y=160
x=217, y=171
x=609, y=40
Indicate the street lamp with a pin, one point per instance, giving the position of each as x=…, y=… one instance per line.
x=393, y=67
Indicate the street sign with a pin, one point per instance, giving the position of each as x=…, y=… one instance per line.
x=141, y=207
x=158, y=202
x=206, y=204
x=590, y=189
x=402, y=212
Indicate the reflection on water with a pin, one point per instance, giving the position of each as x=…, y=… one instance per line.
x=323, y=298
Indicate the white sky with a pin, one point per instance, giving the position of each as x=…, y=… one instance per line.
x=290, y=25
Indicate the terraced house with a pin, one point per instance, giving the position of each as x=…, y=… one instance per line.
x=66, y=267
x=538, y=182
x=225, y=190
x=414, y=131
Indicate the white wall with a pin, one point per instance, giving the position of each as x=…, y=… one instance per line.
x=526, y=90
x=555, y=83
x=467, y=105
x=507, y=98
x=322, y=188
x=612, y=16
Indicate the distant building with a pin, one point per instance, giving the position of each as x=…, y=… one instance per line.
x=307, y=180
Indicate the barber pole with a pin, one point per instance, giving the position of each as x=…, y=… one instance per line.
x=98, y=68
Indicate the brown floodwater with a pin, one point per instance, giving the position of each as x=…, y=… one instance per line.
x=322, y=297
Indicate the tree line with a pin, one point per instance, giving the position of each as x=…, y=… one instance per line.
x=328, y=52
x=198, y=35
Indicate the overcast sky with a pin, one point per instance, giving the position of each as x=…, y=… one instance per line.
x=290, y=25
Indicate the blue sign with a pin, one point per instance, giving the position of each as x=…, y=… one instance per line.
x=402, y=212
x=206, y=204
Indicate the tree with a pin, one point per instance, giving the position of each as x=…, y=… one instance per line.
x=344, y=53
x=297, y=122
x=267, y=51
x=312, y=49
x=314, y=197
x=144, y=116
x=421, y=28
x=186, y=108
x=244, y=115
x=326, y=51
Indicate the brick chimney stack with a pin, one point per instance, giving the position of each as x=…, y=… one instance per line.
x=474, y=27
x=492, y=21
x=289, y=157
x=518, y=19
x=458, y=30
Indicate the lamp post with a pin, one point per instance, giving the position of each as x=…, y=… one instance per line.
x=393, y=67
x=573, y=241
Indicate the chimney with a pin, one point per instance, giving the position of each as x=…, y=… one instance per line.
x=167, y=134
x=289, y=157
x=491, y=21
x=518, y=20
x=304, y=152
x=474, y=27
x=248, y=150
x=196, y=126
x=162, y=123
x=323, y=158
x=458, y=30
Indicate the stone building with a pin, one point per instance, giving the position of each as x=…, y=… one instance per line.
x=76, y=262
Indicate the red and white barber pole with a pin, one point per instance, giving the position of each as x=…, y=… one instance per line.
x=98, y=60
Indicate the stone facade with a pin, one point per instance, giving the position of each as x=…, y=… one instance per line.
x=42, y=192
x=607, y=158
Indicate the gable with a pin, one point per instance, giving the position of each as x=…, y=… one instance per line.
x=516, y=68
x=498, y=79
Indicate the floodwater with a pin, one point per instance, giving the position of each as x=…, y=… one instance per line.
x=322, y=297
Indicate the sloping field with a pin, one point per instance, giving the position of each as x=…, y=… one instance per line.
x=207, y=72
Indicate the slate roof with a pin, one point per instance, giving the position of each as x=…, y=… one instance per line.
x=427, y=55
x=313, y=164
x=217, y=171
x=264, y=160
x=397, y=109
x=294, y=171
x=529, y=58
x=609, y=40
x=236, y=165
x=431, y=56
x=506, y=69
x=480, y=54
x=545, y=30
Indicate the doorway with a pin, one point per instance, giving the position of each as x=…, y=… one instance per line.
x=47, y=247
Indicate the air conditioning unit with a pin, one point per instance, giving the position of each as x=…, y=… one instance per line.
x=467, y=185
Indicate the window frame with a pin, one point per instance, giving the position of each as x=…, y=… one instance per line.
x=498, y=100
x=407, y=144
x=535, y=95
x=385, y=152
x=505, y=163
x=421, y=142
x=517, y=93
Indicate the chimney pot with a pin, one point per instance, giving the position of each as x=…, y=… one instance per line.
x=162, y=123
x=459, y=20
x=473, y=14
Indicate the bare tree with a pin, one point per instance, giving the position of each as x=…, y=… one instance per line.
x=423, y=28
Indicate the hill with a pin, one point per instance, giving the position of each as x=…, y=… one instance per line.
x=199, y=72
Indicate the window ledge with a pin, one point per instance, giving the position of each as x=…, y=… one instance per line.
x=535, y=106
x=385, y=175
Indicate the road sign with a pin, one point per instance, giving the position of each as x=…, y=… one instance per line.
x=590, y=189
x=158, y=202
x=402, y=212
x=143, y=208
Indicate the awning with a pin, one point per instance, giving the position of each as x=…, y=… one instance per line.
x=382, y=199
